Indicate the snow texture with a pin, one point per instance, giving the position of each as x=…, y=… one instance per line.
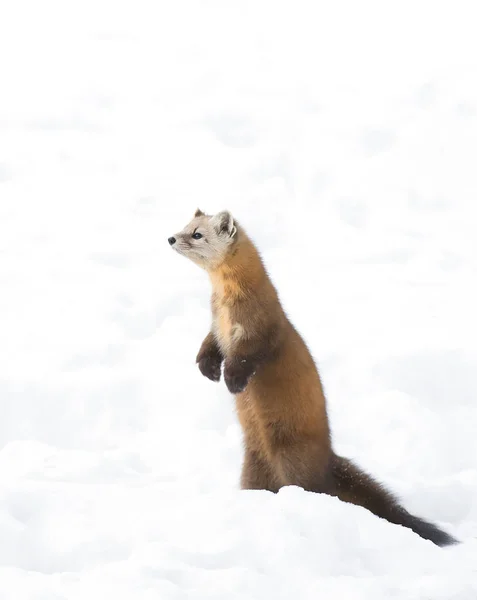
x=343, y=135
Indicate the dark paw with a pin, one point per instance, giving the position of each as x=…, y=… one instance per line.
x=210, y=366
x=237, y=374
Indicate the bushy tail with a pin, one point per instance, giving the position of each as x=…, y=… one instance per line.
x=357, y=487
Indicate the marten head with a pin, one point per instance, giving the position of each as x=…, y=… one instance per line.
x=207, y=239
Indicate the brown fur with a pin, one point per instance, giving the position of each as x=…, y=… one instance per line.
x=279, y=396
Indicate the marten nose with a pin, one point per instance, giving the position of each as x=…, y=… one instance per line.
x=172, y=240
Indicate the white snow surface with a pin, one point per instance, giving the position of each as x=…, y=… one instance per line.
x=343, y=136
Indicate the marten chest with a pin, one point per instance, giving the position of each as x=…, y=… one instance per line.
x=227, y=330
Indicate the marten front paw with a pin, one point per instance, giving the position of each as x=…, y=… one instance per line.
x=237, y=373
x=210, y=366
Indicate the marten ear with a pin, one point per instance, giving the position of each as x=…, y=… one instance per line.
x=224, y=223
x=198, y=213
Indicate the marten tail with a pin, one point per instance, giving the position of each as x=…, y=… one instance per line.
x=357, y=487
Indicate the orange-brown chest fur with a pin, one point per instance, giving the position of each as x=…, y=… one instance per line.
x=232, y=284
x=226, y=292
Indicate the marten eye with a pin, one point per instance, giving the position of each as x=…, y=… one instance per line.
x=196, y=236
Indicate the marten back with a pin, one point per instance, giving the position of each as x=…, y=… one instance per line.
x=268, y=367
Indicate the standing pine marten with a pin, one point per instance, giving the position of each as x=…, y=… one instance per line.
x=267, y=365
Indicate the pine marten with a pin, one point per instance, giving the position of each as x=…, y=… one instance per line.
x=280, y=401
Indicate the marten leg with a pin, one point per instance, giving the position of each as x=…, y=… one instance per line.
x=210, y=358
x=257, y=473
x=247, y=355
x=237, y=373
x=306, y=465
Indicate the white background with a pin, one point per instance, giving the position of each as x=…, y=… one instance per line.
x=343, y=136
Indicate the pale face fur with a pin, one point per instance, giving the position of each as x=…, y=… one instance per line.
x=218, y=236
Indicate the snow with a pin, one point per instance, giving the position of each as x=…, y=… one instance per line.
x=343, y=136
